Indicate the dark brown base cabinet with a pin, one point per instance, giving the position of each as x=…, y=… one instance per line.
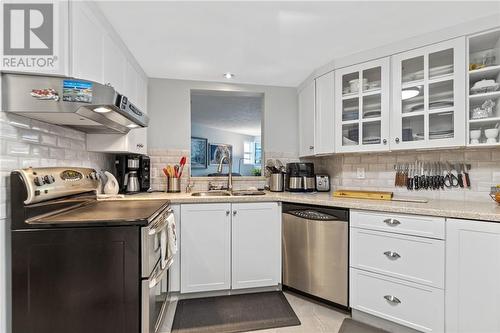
x=76, y=280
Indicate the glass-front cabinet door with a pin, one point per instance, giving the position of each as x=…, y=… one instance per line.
x=429, y=96
x=362, y=107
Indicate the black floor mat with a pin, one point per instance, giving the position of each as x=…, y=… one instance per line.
x=235, y=313
x=352, y=326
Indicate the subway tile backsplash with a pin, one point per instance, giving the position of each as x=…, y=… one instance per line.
x=26, y=142
x=379, y=171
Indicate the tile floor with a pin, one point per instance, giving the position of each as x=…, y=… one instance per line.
x=315, y=317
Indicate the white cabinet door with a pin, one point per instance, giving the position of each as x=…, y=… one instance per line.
x=362, y=105
x=306, y=120
x=142, y=91
x=87, y=43
x=131, y=78
x=113, y=64
x=205, y=247
x=135, y=142
x=256, y=245
x=429, y=96
x=324, y=138
x=472, y=276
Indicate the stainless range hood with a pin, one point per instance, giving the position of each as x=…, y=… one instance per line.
x=84, y=105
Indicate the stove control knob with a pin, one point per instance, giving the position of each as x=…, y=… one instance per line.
x=49, y=179
x=94, y=176
x=38, y=181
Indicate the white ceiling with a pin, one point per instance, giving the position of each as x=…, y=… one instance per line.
x=232, y=112
x=271, y=43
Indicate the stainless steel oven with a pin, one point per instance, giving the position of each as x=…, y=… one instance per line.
x=155, y=264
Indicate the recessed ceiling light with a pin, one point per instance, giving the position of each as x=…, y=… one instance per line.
x=409, y=93
x=132, y=125
x=102, y=110
x=228, y=75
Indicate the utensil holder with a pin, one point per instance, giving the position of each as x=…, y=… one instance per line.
x=276, y=182
x=173, y=185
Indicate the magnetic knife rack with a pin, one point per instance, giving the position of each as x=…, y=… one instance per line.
x=428, y=175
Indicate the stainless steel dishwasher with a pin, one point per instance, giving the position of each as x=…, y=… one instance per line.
x=315, y=251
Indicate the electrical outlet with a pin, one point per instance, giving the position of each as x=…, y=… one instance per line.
x=360, y=173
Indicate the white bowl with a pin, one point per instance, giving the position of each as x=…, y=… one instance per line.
x=491, y=133
x=475, y=134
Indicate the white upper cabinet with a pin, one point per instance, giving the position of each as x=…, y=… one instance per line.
x=306, y=119
x=324, y=139
x=362, y=105
x=86, y=36
x=114, y=62
x=483, y=80
x=429, y=96
x=97, y=54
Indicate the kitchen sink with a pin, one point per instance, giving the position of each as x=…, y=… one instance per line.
x=247, y=192
x=211, y=194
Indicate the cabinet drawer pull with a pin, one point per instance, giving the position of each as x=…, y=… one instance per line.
x=392, y=299
x=311, y=147
x=392, y=254
x=235, y=212
x=392, y=222
x=227, y=213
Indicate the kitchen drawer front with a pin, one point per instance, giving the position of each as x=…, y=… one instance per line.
x=415, y=259
x=416, y=225
x=416, y=306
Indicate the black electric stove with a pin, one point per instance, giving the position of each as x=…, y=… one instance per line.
x=78, y=264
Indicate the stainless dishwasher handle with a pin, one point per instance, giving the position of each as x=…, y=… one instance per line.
x=392, y=299
x=392, y=254
x=392, y=222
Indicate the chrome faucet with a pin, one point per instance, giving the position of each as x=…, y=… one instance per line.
x=227, y=156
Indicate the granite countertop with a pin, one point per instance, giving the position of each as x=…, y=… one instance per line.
x=486, y=211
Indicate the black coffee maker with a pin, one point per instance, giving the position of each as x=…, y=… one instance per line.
x=133, y=173
x=300, y=177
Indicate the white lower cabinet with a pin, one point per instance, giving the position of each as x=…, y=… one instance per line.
x=395, y=273
x=229, y=246
x=409, y=304
x=400, y=256
x=472, y=276
x=256, y=245
x=205, y=247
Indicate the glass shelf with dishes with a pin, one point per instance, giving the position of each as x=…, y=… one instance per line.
x=362, y=97
x=426, y=86
x=484, y=89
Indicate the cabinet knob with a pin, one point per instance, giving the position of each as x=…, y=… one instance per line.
x=234, y=213
x=311, y=147
x=384, y=141
x=392, y=222
x=227, y=213
x=392, y=254
x=397, y=140
x=392, y=299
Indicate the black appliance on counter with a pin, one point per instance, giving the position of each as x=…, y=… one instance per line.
x=81, y=265
x=300, y=177
x=133, y=173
